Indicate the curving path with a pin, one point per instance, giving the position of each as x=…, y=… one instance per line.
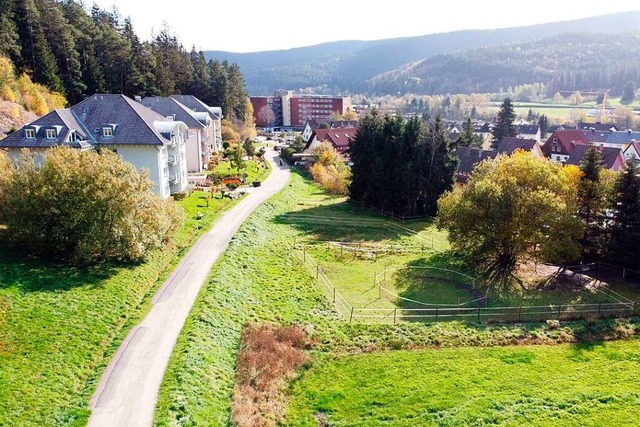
x=128, y=389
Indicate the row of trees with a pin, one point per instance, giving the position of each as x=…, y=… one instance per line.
x=83, y=207
x=521, y=208
x=77, y=53
x=401, y=167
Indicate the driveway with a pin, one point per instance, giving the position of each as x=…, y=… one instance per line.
x=128, y=389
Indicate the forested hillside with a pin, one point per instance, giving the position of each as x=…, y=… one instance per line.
x=78, y=52
x=566, y=62
x=347, y=65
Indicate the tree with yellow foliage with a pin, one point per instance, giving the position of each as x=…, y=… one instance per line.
x=513, y=209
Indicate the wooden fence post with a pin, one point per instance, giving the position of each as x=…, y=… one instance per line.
x=436, y=314
x=559, y=308
x=394, y=315
x=520, y=313
x=317, y=271
x=334, y=294
x=478, y=313
x=624, y=273
x=351, y=316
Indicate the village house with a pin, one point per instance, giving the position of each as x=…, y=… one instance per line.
x=528, y=132
x=468, y=158
x=140, y=136
x=612, y=157
x=509, y=145
x=561, y=144
x=338, y=138
x=199, y=144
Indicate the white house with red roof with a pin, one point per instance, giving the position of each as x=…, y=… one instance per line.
x=338, y=138
x=561, y=144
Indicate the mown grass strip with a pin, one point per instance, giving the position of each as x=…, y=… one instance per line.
x=569, y=385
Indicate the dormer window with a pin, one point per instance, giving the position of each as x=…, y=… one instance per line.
x=51, y=133
x=171, y=116
x=29, y=133
x=107, y=131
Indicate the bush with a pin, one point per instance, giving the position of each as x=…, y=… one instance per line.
x=269, y=358
x=287, y=154
x=85, y=207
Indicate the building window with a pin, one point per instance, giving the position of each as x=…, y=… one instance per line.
x=30, y=133
x=107, y=131
x=51, y=133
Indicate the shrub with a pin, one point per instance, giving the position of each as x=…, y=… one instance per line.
x=85, y=207
x=269, y=358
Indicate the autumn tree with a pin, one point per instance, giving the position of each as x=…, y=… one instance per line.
x=236, y=157
x=513, y=209
x=504, y=123
x=99, y=208
x=266, y=116
x=329, y=170
x=625, y=118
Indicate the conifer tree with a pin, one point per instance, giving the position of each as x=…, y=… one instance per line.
x=504, y=123
x=625, y=230
x=590, y=202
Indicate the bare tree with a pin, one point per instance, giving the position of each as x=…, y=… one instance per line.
x=266, y=116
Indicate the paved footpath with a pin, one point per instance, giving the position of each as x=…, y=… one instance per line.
x=128, y=389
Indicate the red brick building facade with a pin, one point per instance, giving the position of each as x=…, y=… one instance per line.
x=292, y=110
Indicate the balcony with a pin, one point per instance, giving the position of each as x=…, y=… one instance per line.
x=174, y=179
x=172, y=160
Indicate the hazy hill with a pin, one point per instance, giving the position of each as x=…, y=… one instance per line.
x=562, y=62
x=347, y=65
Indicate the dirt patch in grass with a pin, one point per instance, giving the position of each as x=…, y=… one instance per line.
x=268, y=360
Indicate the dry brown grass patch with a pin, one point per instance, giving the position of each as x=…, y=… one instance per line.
x=268, y=360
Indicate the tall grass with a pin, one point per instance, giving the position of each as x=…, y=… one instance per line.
x=268, y=360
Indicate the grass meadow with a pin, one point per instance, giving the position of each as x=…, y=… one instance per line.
x=62, y=323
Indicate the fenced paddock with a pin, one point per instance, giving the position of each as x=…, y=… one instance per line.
x=472, y=310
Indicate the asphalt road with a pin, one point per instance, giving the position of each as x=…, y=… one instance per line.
x=128, y=389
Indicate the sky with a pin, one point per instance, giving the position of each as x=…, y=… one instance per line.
x=252, y=25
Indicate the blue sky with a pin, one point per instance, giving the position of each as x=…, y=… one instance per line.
x=250, y=25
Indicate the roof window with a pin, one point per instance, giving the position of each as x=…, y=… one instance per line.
x=29, y=133
x=51, y=134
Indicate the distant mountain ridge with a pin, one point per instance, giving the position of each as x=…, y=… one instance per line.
x=346, y=66
x=566, y=62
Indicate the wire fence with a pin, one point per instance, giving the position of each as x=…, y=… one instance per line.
x=392, y=215
x=474, y=310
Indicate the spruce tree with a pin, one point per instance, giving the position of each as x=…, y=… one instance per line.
x=37, y=57
x=543, y=122
x=9, y=39
x=624, y=249
x=590, y=202
x=468, y=138
x=504, y=123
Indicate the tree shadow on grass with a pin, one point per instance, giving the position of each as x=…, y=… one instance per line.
x=436, y=280
x=30, y=274
x=345, y=222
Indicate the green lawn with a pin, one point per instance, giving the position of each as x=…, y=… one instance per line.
x=64, y=322
x=325, y=218
x=255, y=171
x=259, y=279
x=568, y=385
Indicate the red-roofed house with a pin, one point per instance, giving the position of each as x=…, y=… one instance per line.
x=561, y=144
x=612, y=158
x=339, y=139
